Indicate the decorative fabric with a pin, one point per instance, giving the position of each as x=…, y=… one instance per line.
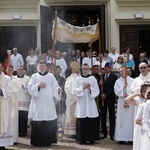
x=67, y=33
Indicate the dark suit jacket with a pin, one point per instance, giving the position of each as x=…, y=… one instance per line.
x=108, y=87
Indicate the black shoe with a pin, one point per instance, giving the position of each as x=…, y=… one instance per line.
x=121, y=142
x=15, y=143
x=92, y=142
x=130, y=143
x=73, y=136
x=112, y=137
x=82, y=142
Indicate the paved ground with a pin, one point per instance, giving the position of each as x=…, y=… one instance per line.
x=70, y=144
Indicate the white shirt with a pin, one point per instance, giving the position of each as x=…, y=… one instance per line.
x=116, y=66
x=62, y=63
x=16, y=60
x=103, y=63
x=87, y=60
x=130, y=56
x=32, y=60
x=114, y=56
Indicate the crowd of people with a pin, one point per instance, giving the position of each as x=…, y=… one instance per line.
x=78, y=91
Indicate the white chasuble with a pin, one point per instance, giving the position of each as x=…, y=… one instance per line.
x=6, y=106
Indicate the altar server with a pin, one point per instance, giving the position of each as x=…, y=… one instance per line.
x=86, y=89
x=125, y=113
x=43, y=87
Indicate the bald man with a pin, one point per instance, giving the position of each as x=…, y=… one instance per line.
x=141, y=79
x=137, y=62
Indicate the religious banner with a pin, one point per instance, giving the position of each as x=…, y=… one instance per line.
x=67, y=33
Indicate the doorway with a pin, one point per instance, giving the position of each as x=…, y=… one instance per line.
x=75, y=15
x=21, y=37
x=144, y=41
x=137, y=38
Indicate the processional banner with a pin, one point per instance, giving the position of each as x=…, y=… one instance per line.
x=67, y=33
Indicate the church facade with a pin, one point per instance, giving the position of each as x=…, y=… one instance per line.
x=27, y=23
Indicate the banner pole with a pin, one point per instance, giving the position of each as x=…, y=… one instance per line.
x=8, y=67
x=54, y=39
x=100, y=60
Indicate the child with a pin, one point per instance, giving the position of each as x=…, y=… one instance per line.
x=145, y=138
x=137, y=100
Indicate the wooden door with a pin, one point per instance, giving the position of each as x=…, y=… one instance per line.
x=129, y=38
x=46, y=28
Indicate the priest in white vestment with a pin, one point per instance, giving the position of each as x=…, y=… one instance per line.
x=86, y=89
x=43, y=87
x=17, y=85
x=23, y=100
x=70, y=120
x=125, y=114
x=6, y=105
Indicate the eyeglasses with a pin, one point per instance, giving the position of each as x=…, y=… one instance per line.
x=143, y=67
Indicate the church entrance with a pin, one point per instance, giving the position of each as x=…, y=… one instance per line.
x=137, y=38
x=75, y=15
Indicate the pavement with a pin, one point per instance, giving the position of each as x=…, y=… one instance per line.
x=66, y=143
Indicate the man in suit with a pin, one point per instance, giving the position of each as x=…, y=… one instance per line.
x=108, y=101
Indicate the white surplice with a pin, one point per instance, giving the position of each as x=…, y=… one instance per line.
x=42, y=106
x=62, y=63
x=125, y=115
x=23, y=95
x=145, y=139
x=86, y=105
x=70, y=121
x=17, y=85
x=6, y=106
